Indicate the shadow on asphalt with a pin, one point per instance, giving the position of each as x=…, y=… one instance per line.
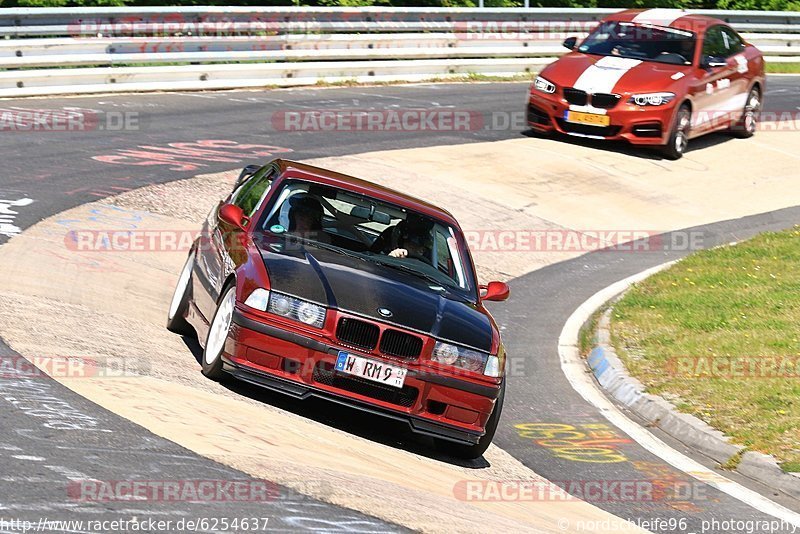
x=622, y=147
x=364, y=425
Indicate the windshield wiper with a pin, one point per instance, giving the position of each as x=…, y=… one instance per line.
x=338, y=250
x=409, y=270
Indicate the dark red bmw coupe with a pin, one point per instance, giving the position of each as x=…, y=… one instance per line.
x=313, y=283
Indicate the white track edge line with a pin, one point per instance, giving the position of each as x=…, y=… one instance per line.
x=576, y=371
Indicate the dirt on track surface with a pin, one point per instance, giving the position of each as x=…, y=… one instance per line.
x=56, y=301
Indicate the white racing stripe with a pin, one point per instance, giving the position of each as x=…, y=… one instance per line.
x=658, y=16
x=604, y=75
x=720, y=111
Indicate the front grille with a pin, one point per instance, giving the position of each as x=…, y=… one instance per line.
x=325, y=374
x=400, y=344
x=576, y=96
x=605, y=100
x=360, y=334
x=604, y=131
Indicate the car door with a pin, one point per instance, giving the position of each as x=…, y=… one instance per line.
x=214, y=263
x=712, y=88
x=740, y=79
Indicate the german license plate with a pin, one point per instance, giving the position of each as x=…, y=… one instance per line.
x=592, y=119
x=375, y=371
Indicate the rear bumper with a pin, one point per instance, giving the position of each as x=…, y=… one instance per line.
x=300, y=366
x=635, y=124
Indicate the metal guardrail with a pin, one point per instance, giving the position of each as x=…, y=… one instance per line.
x=87, y=50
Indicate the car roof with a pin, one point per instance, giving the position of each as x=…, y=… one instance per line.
x=668, y=18
x=295, y=169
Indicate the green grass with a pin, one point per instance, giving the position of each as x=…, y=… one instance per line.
x=739, y=301
x=587, y=335
x=783, y=68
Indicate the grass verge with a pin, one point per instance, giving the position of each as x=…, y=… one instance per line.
x=783, y=68
x=718, y=334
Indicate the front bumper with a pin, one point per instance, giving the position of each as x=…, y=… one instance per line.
x=276, y=358
x=639, y=125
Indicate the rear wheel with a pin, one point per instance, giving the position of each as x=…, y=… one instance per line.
x=470, y=452
x=218, y=334
x=180, y=301
x=679, y=135
x=748, y=122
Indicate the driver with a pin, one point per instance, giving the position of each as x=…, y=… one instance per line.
x=407, y=239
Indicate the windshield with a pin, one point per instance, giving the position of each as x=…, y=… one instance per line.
x=641, y=41
x=369, y=229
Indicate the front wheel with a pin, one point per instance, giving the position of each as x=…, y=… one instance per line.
x=176, y=322
x=471, y=452
x=748, y=122
x=218, y=334
x=679, y=135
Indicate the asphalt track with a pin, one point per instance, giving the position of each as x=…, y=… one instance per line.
x=59, y=170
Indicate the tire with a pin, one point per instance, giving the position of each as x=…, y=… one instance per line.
x=218, y=333
x=746, y=126
x=471, y=452
x=176, y=322
x=679, y=135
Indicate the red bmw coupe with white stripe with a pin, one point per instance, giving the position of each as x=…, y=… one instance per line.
x=651, y=77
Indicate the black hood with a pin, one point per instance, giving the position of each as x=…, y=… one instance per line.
x=361, y=287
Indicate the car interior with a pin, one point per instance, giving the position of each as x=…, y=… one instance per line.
x=639, y=41
x=367, y=226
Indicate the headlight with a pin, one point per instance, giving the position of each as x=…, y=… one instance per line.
x=471, y=360
x=545, y=86
x=652, y=99
x=445, y=353
x=258, y=299
x=296, y=309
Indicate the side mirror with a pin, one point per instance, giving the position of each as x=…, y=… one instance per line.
x=233, y=215
x=712, y=62
x=246, y=173
x=570, y=42
x=496, y=291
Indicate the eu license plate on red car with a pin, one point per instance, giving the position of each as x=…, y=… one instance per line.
x=373, y=370
x=592, y=119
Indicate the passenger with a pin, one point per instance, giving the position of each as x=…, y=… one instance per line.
x=305, y=218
